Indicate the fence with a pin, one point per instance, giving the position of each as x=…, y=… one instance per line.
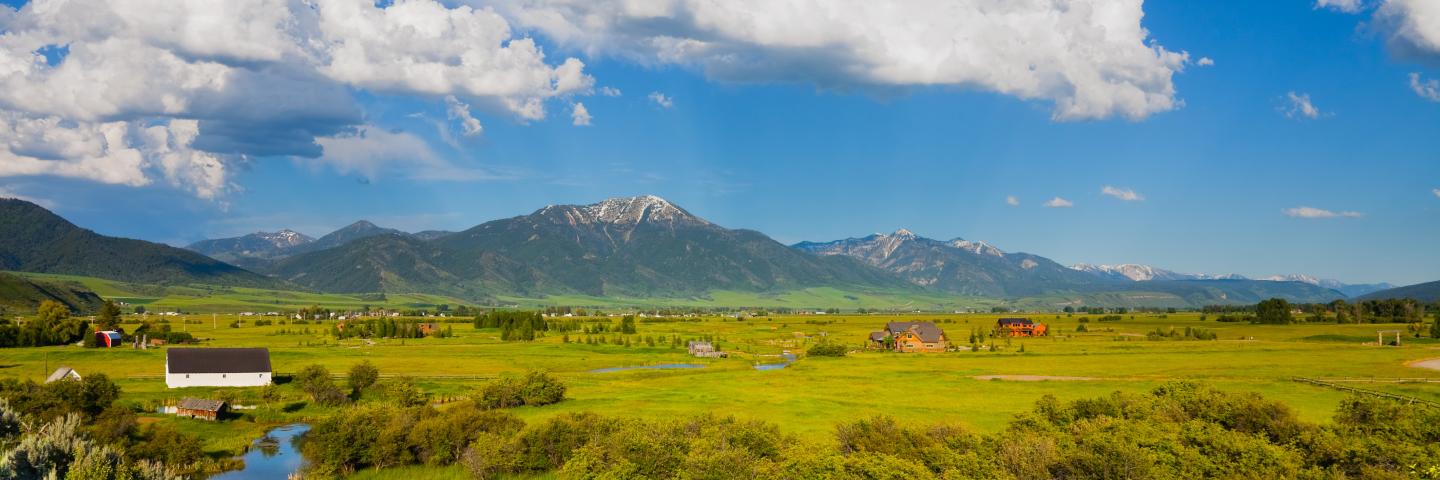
x=1393, y=396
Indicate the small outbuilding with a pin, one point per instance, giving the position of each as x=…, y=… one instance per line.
x=108, y=338
x=63, y=373
x=217, y=367
x=200, y=408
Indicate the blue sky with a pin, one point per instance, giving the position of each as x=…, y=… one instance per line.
x=819, y=159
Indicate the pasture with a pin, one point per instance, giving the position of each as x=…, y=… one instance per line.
x=809, y=397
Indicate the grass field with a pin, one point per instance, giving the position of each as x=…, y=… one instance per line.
x=810, y=396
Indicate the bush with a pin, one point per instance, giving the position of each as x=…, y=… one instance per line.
x=535, y=389
x=827, y=349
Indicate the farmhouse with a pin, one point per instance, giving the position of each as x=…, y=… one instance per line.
x=108, y=338
x=199, y=408
x=1019, y=327
x=217, y=367
x=705, y=350
x=910, y=337
x=63, y=373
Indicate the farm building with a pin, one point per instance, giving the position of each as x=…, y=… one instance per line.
x=200, y=408
x=705, y=350
x=63, y=373
x=1019, y=327
x=428, y=328
x=217, y=367
x=910, y=337
x=108, y=338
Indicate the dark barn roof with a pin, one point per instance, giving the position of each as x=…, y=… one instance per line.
x=1015, y=321
x=217, y=360
x=927, y=331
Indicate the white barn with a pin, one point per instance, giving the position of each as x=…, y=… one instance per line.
x=217, y=367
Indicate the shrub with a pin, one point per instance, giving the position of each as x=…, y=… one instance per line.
x=827, y=349
x=535, y=389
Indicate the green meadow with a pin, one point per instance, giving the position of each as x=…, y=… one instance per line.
x=810, y=396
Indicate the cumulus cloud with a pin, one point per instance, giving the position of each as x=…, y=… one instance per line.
x=1311, y=212
x=1426, y=89
x=1090, y=58
x=1347, y=6
x=456, y=110
x=1412, y=26
x=1436, y=191
x=1298, y=106
x=1058, y=202
x=661, y=100
x=1205, y=62
x=1012, y=201
x=1122, y=193
x=610, y=91
x=579, y=116
x=238, y=79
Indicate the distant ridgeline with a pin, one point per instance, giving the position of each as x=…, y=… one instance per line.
x=632, y=248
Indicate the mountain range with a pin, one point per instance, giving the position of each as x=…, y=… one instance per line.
x=635, y=247
x=1144, y=273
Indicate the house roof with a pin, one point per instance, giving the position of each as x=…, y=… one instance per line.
x=200, y=404
x=60, y=374
x=1015, y=321
x=877, y=336
x=217, y=360
x=927, y=331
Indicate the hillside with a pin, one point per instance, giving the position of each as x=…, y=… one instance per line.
x=32, y=239
x=1425, y=292
x=23, y=294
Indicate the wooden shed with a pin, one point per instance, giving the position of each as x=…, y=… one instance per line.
x=200, y=408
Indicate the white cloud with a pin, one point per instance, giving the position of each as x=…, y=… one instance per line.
x=1012, y=201
x=1413, y=25
x=610, y=91
x=1436, y=192
x=243, y=78
x=1300, y=106
x=661, y=99
x=1429, y=90
x=118, y=153
x=1347, y=6
x=375, y=153
x=1205, y=62
x=1091, y=58
x=579, y=115
x=1311, y=212
x=1058, y=202
x=1122, y=193
x=457, y=110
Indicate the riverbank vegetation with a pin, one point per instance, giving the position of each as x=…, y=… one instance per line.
x=1178, y=430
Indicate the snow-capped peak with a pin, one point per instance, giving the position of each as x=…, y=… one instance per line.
x=904, y=233
x=977, y=247
x=626, y=211
x=1144, y=273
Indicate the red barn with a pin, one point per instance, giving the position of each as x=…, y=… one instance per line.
x=108, y=338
